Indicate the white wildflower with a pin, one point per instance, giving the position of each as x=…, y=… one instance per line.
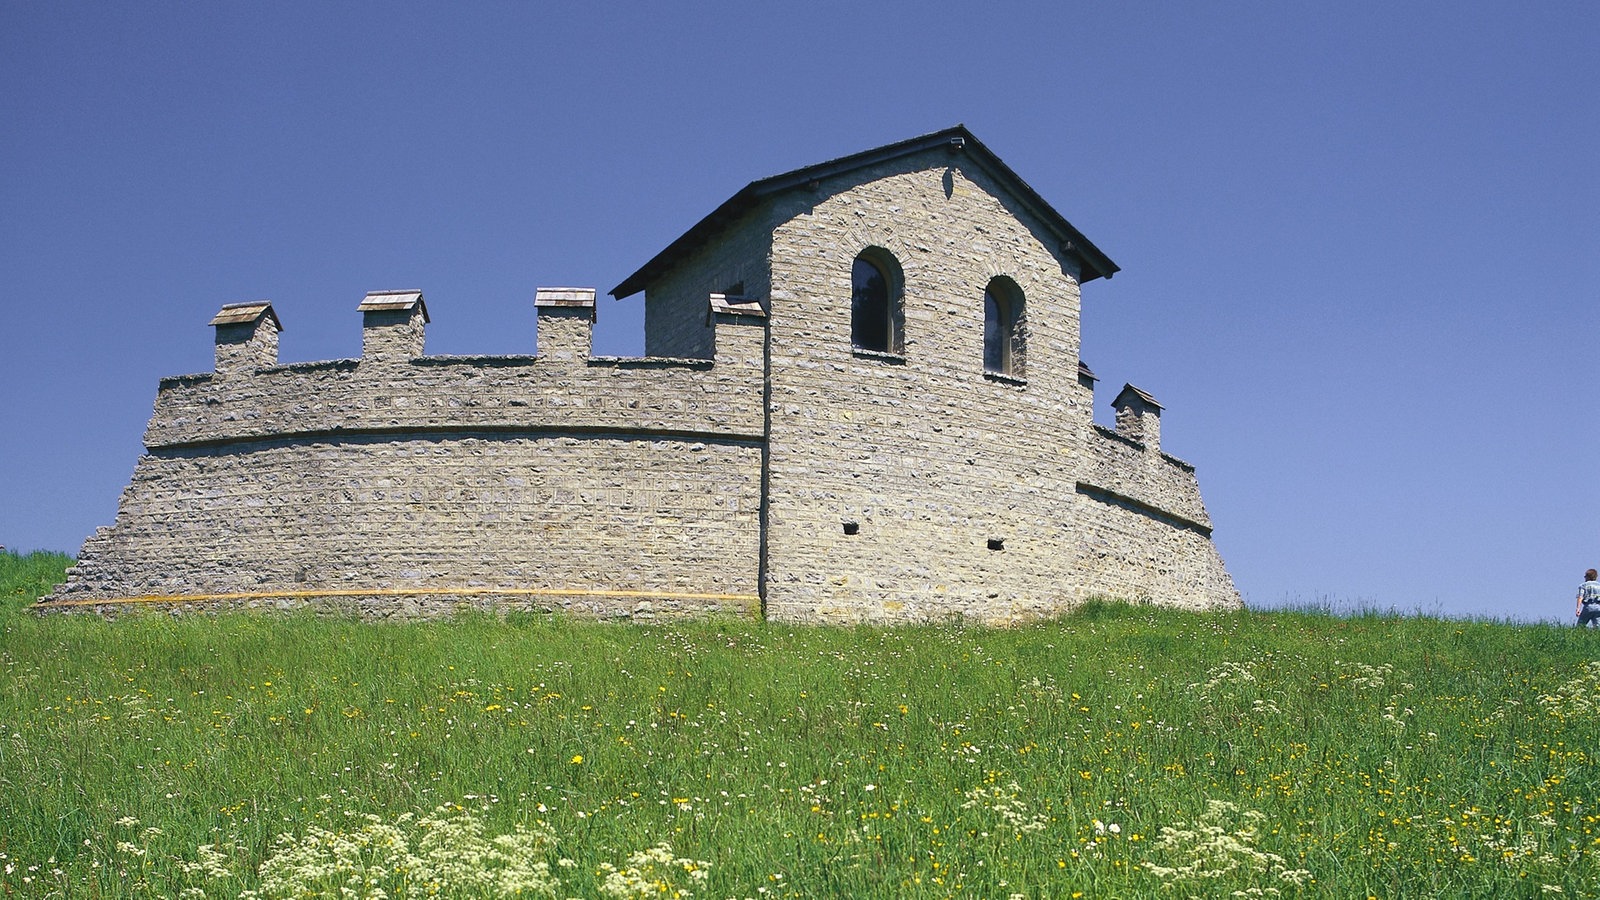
x=1006, y=803
x=1227, y=673
x=1218, y=846
x=445, y=853
x=654, y=872
x=1364, y=677
x=1579, y=696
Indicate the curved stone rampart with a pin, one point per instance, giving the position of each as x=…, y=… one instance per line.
x=434, y=394
x=417, y=485
x=1142, y=530
x=1122, y=470
x=591, y=524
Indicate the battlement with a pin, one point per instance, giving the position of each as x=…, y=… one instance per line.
x=393, y=387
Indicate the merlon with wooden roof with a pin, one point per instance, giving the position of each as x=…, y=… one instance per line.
x=246, y=313
x=380, y=301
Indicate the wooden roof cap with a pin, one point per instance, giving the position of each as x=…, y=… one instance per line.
x=737, y=306
x=245, y=313
x=563, y=296
x=378, y=301
x=1137, y=394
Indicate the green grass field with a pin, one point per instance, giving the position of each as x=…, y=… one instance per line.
x=1119, y=752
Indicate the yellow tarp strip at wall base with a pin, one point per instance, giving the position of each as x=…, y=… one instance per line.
x=401, y=592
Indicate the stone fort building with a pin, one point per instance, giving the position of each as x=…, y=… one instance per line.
x=862, y=400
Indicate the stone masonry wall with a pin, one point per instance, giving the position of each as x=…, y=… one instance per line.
x=1117, y=465
x=962, y=486
x=245, y=345
x=1124, y=552
x=931, y=457
x=676, y=324
x=469, y=393
x=601, y=523
x=1143, y=532
x=614, y=487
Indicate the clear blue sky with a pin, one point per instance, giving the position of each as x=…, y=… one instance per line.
x=1360, y=241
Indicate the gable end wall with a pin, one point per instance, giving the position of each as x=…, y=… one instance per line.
x=933, y=460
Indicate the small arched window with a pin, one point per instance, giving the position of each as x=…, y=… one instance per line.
x=1002, y=328
x=876, y=318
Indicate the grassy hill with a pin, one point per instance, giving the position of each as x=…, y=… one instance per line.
x=1119, y=752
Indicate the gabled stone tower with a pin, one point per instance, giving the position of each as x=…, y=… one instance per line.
x=862, y=400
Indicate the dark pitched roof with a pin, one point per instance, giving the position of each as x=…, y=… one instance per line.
x=957, y=139
x=1138, y=394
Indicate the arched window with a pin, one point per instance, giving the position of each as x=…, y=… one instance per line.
x=876, y=318
x=1002, y=328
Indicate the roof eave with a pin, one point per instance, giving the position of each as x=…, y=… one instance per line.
x=1094, y=262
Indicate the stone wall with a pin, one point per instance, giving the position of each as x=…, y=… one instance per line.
x=917, y=486
x=933, y=459
x=586, y=523
x=734, y=262
x=411, y=486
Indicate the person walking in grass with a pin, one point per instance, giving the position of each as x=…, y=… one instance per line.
x=1589, y=599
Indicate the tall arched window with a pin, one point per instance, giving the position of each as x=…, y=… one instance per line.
x=1002, y=328
x=876, y=319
